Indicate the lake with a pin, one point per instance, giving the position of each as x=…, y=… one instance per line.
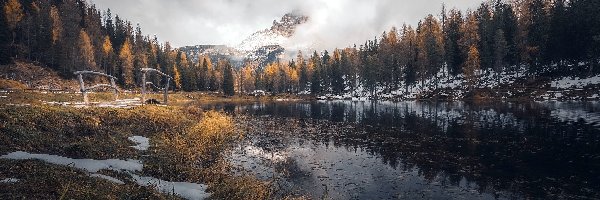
x=421, y=150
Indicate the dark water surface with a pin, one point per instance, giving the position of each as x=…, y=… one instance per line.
x=423, y=150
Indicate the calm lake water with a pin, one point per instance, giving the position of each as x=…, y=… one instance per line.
x=423, y=150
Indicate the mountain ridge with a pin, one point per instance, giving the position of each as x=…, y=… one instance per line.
x=262, y=46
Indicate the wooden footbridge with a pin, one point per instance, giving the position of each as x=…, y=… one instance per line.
x=85, y=90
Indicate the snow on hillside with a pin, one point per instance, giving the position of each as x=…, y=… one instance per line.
x=456, y=87
x=261, y=39
x=570, y=82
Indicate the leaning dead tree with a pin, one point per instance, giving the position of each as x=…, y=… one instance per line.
x=84, y=89
x=144, y=83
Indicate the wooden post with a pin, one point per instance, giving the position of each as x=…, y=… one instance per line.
x=143, y=87
x=167, y=90
x=82, y=89
x=114, y=86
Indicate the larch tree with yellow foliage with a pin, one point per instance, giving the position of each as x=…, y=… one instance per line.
x=14, y=14
x=56, y=25
x=176, y=77
x=107, y=54
x=247, y=78
x=472, y=66
x=86, y=52
x=126, y=62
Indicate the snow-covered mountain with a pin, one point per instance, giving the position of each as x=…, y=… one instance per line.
x=261, y=47
x=276, y=35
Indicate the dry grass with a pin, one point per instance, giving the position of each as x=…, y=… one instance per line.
x=38, y=180
x=187, y=144
x=36, y=77
x=197, y=154
x=11, y=85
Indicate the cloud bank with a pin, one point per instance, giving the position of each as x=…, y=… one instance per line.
x=333, y=23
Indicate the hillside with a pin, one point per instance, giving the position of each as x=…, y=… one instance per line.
x=33, y=76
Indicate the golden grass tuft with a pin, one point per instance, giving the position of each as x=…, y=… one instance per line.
x=183, y=154
x=11, y=85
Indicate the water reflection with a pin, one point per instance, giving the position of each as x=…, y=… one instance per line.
x=429, y=150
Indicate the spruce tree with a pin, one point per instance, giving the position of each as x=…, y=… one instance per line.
x=228, y=82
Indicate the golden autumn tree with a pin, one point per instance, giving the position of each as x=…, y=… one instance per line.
x=86, y=51
x=13, y=12
x=176, y=77
x=469, y=32
x=471, y=67
x=56, y=25
x=107, y=47
x=270, y=76
x=107, y=52
x=469, y=42
x=126, y=61
x=247, y=78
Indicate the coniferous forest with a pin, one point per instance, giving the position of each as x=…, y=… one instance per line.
x=537, y=38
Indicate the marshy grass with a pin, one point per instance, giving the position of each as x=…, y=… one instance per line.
x=187, y=144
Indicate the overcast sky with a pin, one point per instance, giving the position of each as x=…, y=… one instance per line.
x=333, y=23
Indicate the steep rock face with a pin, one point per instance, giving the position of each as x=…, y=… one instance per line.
x=276, y=35
x=261, y=47
x=288, y=24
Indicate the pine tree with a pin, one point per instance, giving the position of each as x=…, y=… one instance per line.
x=504, y=18
x=203, y=74
x=228, y=81
x=303, y=68
x=536, y=24
x=70, y=15
x=454, y=57
x=430, y=47
x=337, y=82
x=315, y=81
x=325, y=71
x=408, y=54
x=5, y=40
x=500, y=53
x=486, y=31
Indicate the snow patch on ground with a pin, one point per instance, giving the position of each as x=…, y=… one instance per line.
x=9, y=180
x=570, y=82
x=121, y=103
x=183, y=189
x=143, y=143
x=111, y=179
x=89, y=165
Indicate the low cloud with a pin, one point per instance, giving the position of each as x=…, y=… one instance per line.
x=333, y=23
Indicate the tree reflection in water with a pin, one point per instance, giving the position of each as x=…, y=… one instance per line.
x=428, y=150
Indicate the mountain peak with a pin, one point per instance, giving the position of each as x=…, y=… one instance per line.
x=279, y=32
x=288, y=23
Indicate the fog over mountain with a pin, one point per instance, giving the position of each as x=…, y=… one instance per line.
x=333, y=23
